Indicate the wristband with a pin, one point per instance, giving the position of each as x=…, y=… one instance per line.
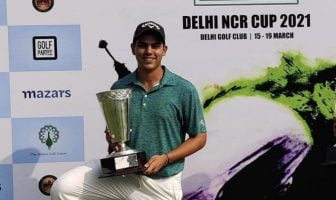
x=167, y=162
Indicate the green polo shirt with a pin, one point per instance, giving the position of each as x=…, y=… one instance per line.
x=161, y=118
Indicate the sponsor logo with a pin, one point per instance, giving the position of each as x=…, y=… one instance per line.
x=241, y=2
x=48, y=135
x=151, y=25
x=43, y=5
x=45, y=184
x=46, y=43
x=45, y=48
x=46, y=94
x=55, y=139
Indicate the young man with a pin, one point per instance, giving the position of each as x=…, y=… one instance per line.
x=164, y=108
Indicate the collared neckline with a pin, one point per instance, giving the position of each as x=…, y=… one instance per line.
x=166, y=80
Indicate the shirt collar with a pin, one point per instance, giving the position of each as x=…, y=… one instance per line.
x=167, y=79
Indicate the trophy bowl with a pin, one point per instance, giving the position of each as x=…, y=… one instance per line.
x=115, y=107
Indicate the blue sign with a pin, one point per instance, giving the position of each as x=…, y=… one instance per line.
x=44, y=48
x=6, y=182
x=4, y=97
x=48, y=139
x=3, y=12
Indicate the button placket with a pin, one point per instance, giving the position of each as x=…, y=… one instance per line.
x=144, y=100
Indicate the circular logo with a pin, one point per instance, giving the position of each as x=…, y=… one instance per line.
x=48, y=135
x=45, y=184
x=43, y=5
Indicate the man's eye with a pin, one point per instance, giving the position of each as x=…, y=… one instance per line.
x=140, y=45
x=145, y=45
x=155, y=46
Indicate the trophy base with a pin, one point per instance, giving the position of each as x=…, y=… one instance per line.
x=122, y=163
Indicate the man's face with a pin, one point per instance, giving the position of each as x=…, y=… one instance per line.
x=149, y=50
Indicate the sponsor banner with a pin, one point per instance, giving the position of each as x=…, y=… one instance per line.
x=48, y=139
x=5, y=95
x=234, y=34
x=3, y=12
x=245, y=27
x=44, y=90
x=265, y=74
x=6, y=182
x=250, y=2
x=5, y=141
x=44, y=48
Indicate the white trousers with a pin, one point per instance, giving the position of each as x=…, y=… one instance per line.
x=82, y=183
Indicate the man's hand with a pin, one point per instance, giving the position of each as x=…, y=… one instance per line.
x=155, y=164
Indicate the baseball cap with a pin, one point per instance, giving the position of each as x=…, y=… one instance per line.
x=149, y=26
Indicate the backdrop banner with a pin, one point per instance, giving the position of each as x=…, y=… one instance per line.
x=264, y=69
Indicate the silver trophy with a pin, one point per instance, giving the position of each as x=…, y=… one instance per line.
x=115, y=107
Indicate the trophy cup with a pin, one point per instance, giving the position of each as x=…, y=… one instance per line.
x=115, y=107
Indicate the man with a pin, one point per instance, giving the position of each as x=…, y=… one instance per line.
x=164, y=108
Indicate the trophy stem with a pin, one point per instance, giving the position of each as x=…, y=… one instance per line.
x=123, y=146
x=123, y=150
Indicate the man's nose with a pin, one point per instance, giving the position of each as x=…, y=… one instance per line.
x=148, y=49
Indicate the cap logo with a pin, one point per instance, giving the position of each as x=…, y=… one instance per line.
x=150, y=25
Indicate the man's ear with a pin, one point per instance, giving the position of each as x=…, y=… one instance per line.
x=132, y=48
x=165, y=49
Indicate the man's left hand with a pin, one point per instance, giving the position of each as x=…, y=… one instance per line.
x=155, y=163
